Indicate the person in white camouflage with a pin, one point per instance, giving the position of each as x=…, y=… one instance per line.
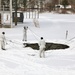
x=25, y=33
x=42, y=46
x=3, y=41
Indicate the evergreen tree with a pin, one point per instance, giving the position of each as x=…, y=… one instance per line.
x=24, y=3
x=65, y=3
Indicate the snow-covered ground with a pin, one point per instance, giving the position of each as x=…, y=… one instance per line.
x=17, y=60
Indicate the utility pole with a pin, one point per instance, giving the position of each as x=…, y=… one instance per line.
x=11, y=13
x=15, y=12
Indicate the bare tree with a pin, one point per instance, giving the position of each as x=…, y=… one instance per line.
x=50, y=5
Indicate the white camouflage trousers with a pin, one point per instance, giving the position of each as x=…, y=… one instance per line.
x=2, y=45
x=42, y=52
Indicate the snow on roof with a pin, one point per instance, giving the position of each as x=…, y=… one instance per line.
x=61, y=6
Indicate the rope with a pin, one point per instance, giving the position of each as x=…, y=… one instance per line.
x=17, y=47
x=35, y=35
x=70, y=40
x=16, y=42
x=10, y=45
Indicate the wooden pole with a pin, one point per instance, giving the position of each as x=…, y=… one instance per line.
x=66, y=34
x=15, y=12
x=11, y=13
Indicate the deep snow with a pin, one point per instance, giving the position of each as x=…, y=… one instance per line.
x=17, y=60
